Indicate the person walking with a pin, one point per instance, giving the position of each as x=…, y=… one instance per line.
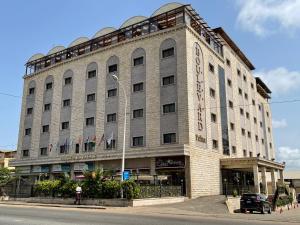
x=78, y=195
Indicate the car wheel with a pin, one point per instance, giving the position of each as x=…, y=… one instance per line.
x=251, y=211
x=263, y=210
x=243, y=210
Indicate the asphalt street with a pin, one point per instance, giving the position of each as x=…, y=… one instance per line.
x=20, y=215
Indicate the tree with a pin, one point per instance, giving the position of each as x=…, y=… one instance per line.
x=5, y=177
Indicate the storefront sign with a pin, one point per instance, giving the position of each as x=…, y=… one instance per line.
x=56, y=168
x=169, y=162
x=80, y=166
x=199, y=98
x=78, y=157
x=23, y=169
x=36, y=169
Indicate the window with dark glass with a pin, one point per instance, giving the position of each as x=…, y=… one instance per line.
x=247, y=115
x=45, y=128
x=29, y=111
x=113, y=68
x=253, y=102
x=230, y=104
x=213, y=117
x=211, y=68
x=167, y=52
x=229, y=82
x=241, y=111
x=63, y=149
x=68, y=80
x=47, y=107
x=245, y=78
x=249, y=134
x=77, y=148
x=91, y=97
x=233, y=149
x=245, y=152
x=255, y=120
x=243, y=131
x=111, y=145
x=112, y=117
x=252, y=85
x=261, y=124
x=169, y=138
x=138, y=87
x=138, y=113
x=89, y=121
x=168, y=80
x=169, y=108
x=232, y=126
x=91, y=74
x=89, y=146
x=25, y=153
x=256, y=138
x=246, y=96
x=238, y=72
x=214, y=144
x=31, y=91
x=240, y=91
x=64, y=125
x=212, y=93
x=43, y=151
x=138, y=141
x=28, y=131
x=138, y=61
x=49, y=86
x=112, y=92
x=228, y=62
x=66, y=102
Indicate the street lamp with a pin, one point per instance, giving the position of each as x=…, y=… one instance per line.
x=116, y=79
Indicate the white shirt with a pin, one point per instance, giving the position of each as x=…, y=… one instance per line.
x=78, y=190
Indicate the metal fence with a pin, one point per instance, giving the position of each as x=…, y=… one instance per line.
x=158, y=191
x=17, y=189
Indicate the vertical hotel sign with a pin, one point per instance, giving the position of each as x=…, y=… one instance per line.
x=199, y=96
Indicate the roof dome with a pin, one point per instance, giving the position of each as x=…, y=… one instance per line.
x=56, y=49
x=35, y=57
x=103, y=31
x=167, y=7
x=133, y=20
x=78, y=41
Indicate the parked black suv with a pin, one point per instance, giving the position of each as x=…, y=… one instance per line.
x=255, y=202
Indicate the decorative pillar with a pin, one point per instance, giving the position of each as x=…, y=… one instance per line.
x=264, y=180
x=255, y=178
x=152, y=166
x=273, y=180
x=281, y=177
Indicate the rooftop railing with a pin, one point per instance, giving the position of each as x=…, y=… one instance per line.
x=182, y=15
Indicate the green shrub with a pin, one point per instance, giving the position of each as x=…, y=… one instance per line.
x=48, y=187
x=110, y=189
x=91, y=184
x=131, y=190
x=68, y=188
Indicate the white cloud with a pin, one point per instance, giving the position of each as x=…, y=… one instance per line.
x=267, y=16
x=291, y=156
x=279, y=123
x=280, y=80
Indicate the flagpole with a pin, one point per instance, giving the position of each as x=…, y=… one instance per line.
x=124, y=131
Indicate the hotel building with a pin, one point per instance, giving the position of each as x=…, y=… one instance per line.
x=195, y=112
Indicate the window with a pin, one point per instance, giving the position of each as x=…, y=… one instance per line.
x=91, y=97
x=256, y=138
x=168, y=52
x=245, y=152
x=262, y=141
x=231, y=126
x=267, y=114
x=138, y=113
x=111, y=145
x=253, y=102
x=25, y=153
x=113, y=68
x=47, y=107
x=92, y=74
x=238, y=72
x=66, y=102
x=233, y=148
x=49, y=86
x=228, y=62
x=63, y=149
x=211, y=68
x=249, y=134
x=169, y=108
x=138, y=87
x=229, y=83
x=28, y=131
x=168, y=80
x=77, y=148
x=241, y=111
x=259, y=107
x=247, y=115
x=214, y=144
x=45, y=128
x=230, y=104
x=269, y=129
x=213, y=118
x=29, y=111
x=212, y=93
x=112, y=92
x=89, y=146
x=89, y=121
x=243, y=131
x=255, y=120
x=270, y=144
x=138, y=61
x=111, y=117
x=252, y=85
x=250, y=154
x=169, y=138
x=246, y=96
x=65, y=125
x=261, y=124
x=245, y=78
x=138, y=141
x=68, y=80
x=31, y=91
x=43, y=151
x=240, y=91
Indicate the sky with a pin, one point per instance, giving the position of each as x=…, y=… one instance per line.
x=267, y=31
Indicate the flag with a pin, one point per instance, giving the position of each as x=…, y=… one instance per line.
x=57, y=146
x=50, y=147
x=94, y=138
x=101, y=139
x=110, y=138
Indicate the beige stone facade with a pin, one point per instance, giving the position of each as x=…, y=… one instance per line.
x=199, y=132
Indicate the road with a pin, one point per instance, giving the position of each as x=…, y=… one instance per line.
x=33, y=215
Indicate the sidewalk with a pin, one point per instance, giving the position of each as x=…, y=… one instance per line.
x=51, y=205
